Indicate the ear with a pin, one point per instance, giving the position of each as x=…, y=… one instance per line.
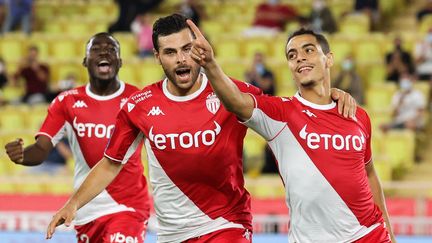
x=329, y=60
x=156, y=55
x=120, y=62
x=84, y=63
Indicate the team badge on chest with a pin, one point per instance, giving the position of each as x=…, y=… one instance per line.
x=212, y=103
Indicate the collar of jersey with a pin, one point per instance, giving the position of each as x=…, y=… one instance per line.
x=313, y=105
x=187, y=97
x=107, y=97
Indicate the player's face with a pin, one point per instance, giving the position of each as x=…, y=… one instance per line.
x=102, y=58
x=174, y=56
x=307, y=62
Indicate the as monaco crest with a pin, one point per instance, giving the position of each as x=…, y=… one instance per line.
x=212, y=103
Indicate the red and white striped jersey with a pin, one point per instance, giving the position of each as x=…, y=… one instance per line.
x=194, y=149
x=321, y=157
x=88, y=121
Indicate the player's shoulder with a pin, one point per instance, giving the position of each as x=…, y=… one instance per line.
x=362, y=116
x=146, y=94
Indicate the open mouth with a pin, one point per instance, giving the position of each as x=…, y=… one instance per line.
x=183, y=72
x=103, y=66
x=304, y=69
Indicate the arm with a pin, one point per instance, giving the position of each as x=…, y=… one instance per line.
x=97, y=180
x=378, y=196
x=32, y=155
x=232, y=98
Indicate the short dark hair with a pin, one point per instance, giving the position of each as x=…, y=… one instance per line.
x=322, y=41
x=103, y=34
x=168, y=25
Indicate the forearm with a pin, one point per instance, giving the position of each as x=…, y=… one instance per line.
x=227, y=91
x=378, y=196
x=96, y=181
x=34, y=155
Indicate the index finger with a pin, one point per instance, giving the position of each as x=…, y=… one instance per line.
x=194, y=28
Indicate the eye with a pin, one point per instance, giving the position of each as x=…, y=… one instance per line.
x=291, y=56
x=309, y=50
x=95, y=48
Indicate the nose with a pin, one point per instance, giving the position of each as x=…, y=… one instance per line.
x=301, y=57
x=181, y=57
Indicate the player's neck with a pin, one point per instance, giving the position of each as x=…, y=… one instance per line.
x=104, y=87
x=319, y=94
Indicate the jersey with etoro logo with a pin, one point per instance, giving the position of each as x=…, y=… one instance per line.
x=88, y=121
x=194, y=149
x=321, y=158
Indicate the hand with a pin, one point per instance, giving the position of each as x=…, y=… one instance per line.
x=201, y=52
x=65, y=215
x=347, y=105
x=15, y=151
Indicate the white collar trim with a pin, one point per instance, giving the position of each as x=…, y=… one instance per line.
x=313, y=105
x=105, y=97
x=170, y=96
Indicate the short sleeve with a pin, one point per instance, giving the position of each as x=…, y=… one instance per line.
x=125, y=139
x=54, y=123
x=364, y=118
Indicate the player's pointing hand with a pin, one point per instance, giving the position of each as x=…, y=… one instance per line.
x=201, y=51
x=65, y=215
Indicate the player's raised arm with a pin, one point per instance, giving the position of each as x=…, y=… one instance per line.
x=232, y=98
x=32, y=155
x=96, y=181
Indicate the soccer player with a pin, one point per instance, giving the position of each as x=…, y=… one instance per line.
x=194, y=149
x=325, y=161
x=87, y=115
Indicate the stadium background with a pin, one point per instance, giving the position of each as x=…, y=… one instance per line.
x=27, y=201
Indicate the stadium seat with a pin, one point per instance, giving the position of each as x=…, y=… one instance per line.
x=127, y=74
x=253, y=148
x=234, y=68
x=368, y=52
x=61, y=69
x=425, y=24
x=149, y=72
x=254, y=45
x=128, y=45
x=228, y=48
x=341, y=47
x=398, y=146
x=64, y=48
x=35, y=117
x=41, y=41
x=355, y=24
x=379, y=96
x=12, y=119
x=383, y=170
x=12, y=47
x=12, y=93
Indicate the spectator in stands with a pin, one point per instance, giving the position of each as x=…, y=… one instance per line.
x=67, y=83
x=260, y=75
x=426, y=10
x=271, y=17
x=18, y=12
x=398, y=61
x=36, y=76
x=128, y=10
x=349, y=80
x=142, y=27
x=408, y=106
x=423, y=57
x=371, y=9
x=192, y=9
x=321, y=17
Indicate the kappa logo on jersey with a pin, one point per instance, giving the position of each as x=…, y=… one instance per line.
x=122, y=102
x=92, y=129
x=309, y=113
x=79, y=104
x=335, y=141
x=185, y=139
x=121, y=238
x=212, y=103
x=155, y=111
x=247, y=234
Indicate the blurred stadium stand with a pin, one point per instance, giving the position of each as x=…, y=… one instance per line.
x=64, y=26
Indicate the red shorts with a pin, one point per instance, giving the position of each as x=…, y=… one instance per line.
x=115, y=228
x=231, y=235
x=378, y=235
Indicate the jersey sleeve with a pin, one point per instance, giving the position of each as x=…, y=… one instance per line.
x=248, y=88
x=266, y=117
x=55, y=121
x=125, y=139
x=364, y=118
